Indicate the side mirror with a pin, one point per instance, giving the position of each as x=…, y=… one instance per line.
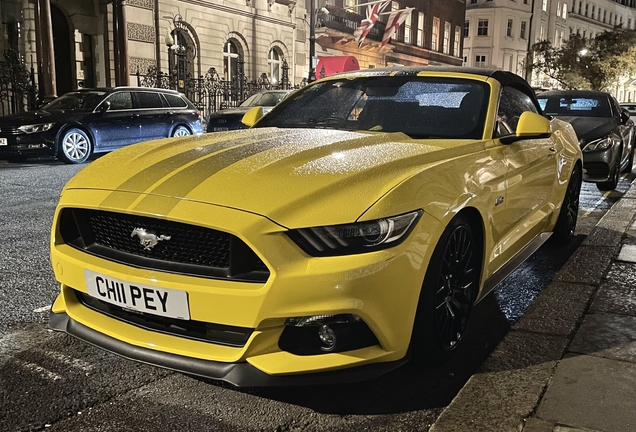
x=624, y=116
x=105, y=106
x=252, y=116
x=531, y=126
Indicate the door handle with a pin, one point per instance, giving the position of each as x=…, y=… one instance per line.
x=170, y=112
x=135, y=115
x=552, y=150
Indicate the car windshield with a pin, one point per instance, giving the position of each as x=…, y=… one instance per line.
x=421, y=107
x=264, y=99
x=575, y=106
x=78, y=101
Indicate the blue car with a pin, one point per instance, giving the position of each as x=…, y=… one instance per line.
x=83, y=122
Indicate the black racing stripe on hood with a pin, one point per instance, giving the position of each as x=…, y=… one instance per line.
x=152, y=174
x=186, y=180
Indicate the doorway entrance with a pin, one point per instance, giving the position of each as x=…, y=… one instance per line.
x=63, y=50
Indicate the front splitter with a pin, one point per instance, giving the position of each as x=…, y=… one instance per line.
x=238, y=374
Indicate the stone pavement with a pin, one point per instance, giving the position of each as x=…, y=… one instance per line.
x=569, y=364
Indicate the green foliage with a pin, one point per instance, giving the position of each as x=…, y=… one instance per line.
x=582, y=63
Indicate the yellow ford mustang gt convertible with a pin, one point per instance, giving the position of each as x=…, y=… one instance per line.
x=350, y=229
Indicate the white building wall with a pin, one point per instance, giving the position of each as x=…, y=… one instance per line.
x=501, y=50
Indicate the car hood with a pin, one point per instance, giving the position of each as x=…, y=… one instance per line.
x=238, y=111
x=39, y=116
x=231, y=111
x=589, y=128
x=295, y=177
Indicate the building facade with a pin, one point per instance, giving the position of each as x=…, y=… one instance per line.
x=72, y=44
x=431, y=35
x=496, y=34
x=500, y=33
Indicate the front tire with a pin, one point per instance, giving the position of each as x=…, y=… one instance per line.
x=449, y=290
x=181, y=131
x=630, y=162
x=563, y=231
x=75, y=146
x=613, y=181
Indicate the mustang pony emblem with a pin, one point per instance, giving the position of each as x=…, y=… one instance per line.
x=148, y=240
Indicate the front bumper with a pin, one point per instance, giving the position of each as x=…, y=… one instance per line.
x=238, y=374
x=27, y=145
x=382, y=288
x=222, y=123
x=598, y=166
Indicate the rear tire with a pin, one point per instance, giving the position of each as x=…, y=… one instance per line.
x=449, y=290
x=181, y=131
x=563, y=231
x=74, y=146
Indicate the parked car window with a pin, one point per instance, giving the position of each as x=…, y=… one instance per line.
x=175, y=101
x=264, y=99
x=511, y=105
x=79, y=101
x=616, y=108
x=148, y=100
x=576, y=106
x=120, y=101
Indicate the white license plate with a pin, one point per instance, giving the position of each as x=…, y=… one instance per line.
x=141, y=298
x=220, y=129
x=3, y=141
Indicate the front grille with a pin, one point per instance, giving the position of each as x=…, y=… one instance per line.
x=596, y=169
x=196, y=330
x=171, y=246
x=9, y=130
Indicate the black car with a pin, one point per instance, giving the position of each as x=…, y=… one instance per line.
x=604, y=129
x=630, y=107
x=82, y=122
x=230, y=119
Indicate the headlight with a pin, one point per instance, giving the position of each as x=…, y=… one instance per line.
x=36, y=128
x=599, y=144
x=357, y=237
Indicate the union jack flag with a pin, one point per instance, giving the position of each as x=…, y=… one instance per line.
x=373, y=12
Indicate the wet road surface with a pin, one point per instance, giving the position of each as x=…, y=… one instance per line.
x=49, y=381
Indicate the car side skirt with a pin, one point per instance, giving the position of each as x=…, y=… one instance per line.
x=512, y=265
x=238, y=374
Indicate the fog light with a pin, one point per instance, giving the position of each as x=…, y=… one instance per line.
x=322, y=334
x=327, y=337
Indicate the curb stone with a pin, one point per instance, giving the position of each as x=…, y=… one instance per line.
x=507, y=390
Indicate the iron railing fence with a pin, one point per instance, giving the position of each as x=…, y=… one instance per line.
x=210, y=93
x=18, y=92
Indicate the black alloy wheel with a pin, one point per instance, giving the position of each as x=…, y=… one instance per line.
x=448, y=293
x=563, y=231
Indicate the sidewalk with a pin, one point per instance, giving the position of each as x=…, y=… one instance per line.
x=569, y=364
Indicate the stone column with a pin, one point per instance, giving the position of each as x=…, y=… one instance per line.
x=45, y=51
x=120, y=36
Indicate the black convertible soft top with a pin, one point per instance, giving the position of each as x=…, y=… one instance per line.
x=505, y=78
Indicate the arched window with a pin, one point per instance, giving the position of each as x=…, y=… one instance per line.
x=274, y=60
x=230, y=60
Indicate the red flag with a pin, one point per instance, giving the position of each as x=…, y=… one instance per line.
x=373, y=12
x=393, y=24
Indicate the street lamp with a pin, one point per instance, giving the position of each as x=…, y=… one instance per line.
x=169, y=41
x=312, y=39
x=312, y=42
